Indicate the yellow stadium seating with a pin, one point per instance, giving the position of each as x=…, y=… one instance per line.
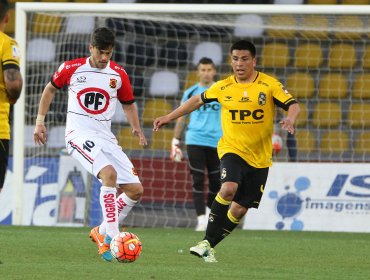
x=314, y=27
x=275, y=55
x=154, y=108
x=161, y=140
x=366, y=58
x=288, y=23
x=127, y=140
x=306, y=140
x=334, y=141
x=191, y=79
x=359, y=115
x=349, y=22
x=333, y=85
x=361, y=86
x=327, y=115
x=301, y=85
x=342, y=56
x=362, y=142
x=42, y=24
x=303, y=116
x=308, y=55
x=355, y=2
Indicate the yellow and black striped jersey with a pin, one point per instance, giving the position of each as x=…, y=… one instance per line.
x=9, y=57
x=247, y=116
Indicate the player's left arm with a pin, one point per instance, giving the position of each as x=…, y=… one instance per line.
x=133, y=119
x=13, y=83
x=288, y=122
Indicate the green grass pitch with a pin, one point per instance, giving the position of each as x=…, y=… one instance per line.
x=67, y=253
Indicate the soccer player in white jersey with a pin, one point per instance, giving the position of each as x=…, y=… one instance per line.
x=95, y=86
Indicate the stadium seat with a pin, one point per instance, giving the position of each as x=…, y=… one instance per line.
x=140, y=53
x=154, y=108
x=287, y=26
x=89, y=1
x=46, y=24
x=362, y=142
x=164, y=83
x=56, y=137
x=248, y=26
x=355, y=2
x=289, y=2
x=77, y=46
x=207, y=49
x=334, y=141
x=310, y=26
x=80, y=24
x=343, y=23
x=359, y=115
x=191, y=79
x=306, y=140
x=342, y=56
x=301, y=85
x=127, y=140
x=308, y=55
x=161, y=140
x=366, y=57
x=361, y=86
x=333, y=85
x=327, y=115
x=10, y=26
x=121, y=1
x=173, y=54
x=322, y=2
x=275, y=55
x=119, y=116
x=303, y=115
x=137, y=80
x=118, y=25
x=41, y=50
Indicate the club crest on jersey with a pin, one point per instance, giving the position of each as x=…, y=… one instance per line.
x=93, y=100
x=223, y=173
x=261, y=98
x=113, y=83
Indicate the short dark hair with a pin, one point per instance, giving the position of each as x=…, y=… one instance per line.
x=206, y=60
x=244, y=45
x=103, y=38
x=4, y=8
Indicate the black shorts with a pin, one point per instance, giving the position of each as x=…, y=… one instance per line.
x=4, y=154
x=251, y=180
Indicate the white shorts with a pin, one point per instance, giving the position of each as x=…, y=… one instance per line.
x=96, y=153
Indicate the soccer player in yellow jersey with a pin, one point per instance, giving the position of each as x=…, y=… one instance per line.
x=10, y=86
x=248, y=99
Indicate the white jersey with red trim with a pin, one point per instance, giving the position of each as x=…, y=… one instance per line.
x=92, y=96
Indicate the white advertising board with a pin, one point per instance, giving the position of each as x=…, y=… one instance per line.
x=314, y=197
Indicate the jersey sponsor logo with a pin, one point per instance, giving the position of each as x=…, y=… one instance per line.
x=16, y=52
x=262, y=98
x=245, y=97
x=113, y=83
x=228, y=98
x=93, y=100
x=210, y=106
x=244, y=114
x=81, y=79
x=263, y=83
x=225, y=86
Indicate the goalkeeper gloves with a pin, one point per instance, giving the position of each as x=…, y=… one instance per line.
x=176, y=153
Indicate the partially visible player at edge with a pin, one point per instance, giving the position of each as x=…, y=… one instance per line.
x=11, y=83
x=201, y=139
x=248, y=99
x=95, y=85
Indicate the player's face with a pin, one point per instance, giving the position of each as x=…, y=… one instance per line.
x=100, y=58
x=243, y=64
x=206, y=73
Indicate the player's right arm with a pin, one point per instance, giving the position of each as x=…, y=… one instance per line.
x=39, y=134
x=189, y=106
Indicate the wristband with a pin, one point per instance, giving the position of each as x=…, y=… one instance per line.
x=40, y=120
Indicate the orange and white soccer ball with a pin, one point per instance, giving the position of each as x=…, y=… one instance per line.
x=277, y=143
x=125, y=247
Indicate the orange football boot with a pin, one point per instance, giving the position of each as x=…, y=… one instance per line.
x=103, y=247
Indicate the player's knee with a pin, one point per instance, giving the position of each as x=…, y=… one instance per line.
x=109, y=176
x=228, y=190
x=137, y=192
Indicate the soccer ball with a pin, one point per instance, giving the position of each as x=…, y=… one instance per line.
x=125, y=247
x=277, y=143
